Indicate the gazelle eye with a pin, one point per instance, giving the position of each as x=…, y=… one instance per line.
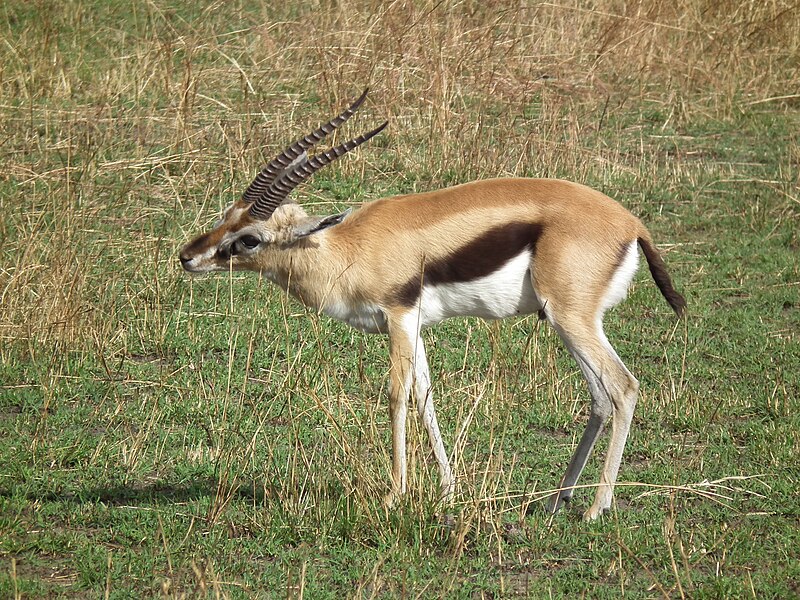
x=249, y=241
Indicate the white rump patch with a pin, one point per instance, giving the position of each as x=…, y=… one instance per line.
x=621, y=280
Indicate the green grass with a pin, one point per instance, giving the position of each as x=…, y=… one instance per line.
x=168, y=436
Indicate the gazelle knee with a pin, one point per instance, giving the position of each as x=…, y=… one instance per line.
x=633, y=387
x=630, y=394
x=602, y=409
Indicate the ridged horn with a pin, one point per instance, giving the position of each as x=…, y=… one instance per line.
x=266, y=204
x=279, y=164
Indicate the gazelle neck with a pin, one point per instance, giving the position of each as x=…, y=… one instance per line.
x=322, y=276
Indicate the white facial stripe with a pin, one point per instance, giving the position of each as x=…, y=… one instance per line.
x=208, y=259
x=232, y=236
x=207, y=255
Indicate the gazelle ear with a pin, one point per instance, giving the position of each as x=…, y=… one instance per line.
x=315, y=224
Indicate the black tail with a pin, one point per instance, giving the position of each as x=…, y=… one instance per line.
x=660, y=275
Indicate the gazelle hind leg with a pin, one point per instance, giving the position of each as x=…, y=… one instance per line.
x=623, y=402
x=614, y=392
x=600, y=412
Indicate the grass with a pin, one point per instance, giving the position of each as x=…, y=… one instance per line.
x=168, y=436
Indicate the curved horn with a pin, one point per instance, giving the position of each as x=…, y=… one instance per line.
x=277, y=165
x=280, y=188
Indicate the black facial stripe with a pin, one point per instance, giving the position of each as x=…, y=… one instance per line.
x=224, y=252
x=479, y=258
x=202, y=243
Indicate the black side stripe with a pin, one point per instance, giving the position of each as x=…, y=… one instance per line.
x=481, y=257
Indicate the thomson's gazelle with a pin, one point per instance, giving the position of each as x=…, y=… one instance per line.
x=490, y=249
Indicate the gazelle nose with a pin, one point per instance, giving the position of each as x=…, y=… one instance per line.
x=185, y=260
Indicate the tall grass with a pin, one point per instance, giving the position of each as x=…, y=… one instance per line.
x=216, y=419
x=131, y=125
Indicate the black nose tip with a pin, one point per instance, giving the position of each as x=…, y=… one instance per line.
x=185, y=260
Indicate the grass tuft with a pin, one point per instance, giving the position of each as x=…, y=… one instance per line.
x=177, y=437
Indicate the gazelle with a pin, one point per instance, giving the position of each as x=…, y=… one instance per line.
x=490, y=249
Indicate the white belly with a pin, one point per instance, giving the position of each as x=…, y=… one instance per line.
x=364, y=317
x=504, y=293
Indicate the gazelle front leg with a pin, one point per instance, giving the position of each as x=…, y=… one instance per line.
x=424, y=397
x=601, y=410
x=408, y=362
x=400, y=373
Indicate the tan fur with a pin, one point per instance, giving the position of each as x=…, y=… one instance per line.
x=379, y=249
x=394, y=235
x=384, y=243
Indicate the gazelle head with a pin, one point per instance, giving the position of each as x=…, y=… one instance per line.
x=262, y=220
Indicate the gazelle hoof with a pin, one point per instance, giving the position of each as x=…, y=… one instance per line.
x=594, y=513
x=558, y=500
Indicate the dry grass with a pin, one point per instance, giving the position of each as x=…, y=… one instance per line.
x=96, y=118
x=122, y=133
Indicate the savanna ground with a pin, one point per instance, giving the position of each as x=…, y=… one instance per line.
x=168, y=436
